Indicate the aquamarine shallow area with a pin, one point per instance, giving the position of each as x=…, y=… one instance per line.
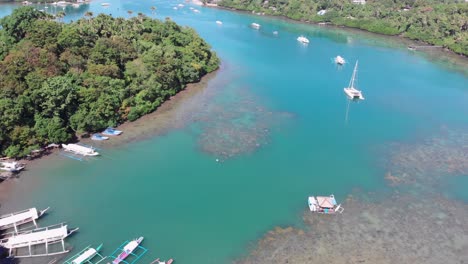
x=277, y=102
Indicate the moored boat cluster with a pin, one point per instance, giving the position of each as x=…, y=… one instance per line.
x=24, y=241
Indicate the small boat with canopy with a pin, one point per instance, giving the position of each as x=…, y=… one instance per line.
x=324, y=204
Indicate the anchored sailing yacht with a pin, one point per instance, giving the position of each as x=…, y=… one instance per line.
x=351, y=92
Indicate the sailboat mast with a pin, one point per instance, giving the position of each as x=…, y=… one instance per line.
x=351, y=83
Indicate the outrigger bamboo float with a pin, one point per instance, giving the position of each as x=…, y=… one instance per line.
x=86, y=256
x=14, y=220
x=41, y=236
x=324, y=204
x=80, y=150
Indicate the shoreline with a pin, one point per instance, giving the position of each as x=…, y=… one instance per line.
x=407, y=41
x=155, y=123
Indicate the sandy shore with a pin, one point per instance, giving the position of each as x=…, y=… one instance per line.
x=172, y=114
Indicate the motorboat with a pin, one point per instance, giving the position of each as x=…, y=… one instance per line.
x=99, y=137
x=110, y=131
x=303, y=39
x=255, y=25
x=219, y=22
x=339, y=60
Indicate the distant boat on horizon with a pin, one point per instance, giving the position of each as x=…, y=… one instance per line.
x=339, y=60
x=255, y=25
x=303, y=39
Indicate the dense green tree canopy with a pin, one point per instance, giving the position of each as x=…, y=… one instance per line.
x=58, y=79
x=438, y=22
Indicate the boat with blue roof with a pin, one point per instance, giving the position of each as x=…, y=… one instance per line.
x=110, y=131
x=99, y=137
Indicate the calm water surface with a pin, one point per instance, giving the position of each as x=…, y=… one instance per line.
x=280, y=106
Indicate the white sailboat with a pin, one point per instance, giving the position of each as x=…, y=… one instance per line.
x=351, y=92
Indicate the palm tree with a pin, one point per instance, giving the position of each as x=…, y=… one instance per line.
x=130, y=12
x=153, y=10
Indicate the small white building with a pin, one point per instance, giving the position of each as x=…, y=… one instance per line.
x=362, y=2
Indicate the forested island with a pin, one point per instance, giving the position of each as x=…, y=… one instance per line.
x=60, y=80
x=437, y=22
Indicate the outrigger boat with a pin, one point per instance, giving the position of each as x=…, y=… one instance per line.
x=128, y=250
x=86, y=256
x=351, y=92
x=11, y=166
x=111, y=132
x=16, y=219
x=40, y=236
x=324, y=204
x=81, y=150
x=162, y=262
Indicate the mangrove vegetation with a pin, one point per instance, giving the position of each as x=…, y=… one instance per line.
x=437, y=22
x=60, y=80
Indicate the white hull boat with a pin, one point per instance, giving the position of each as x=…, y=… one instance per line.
x=303, y=39
x=255, y=25
x=80, y=150
x=339, y=60
x=351, y=92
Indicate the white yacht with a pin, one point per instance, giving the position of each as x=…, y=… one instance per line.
x=219, y=22
x=303, y=39
x=81, y=150
x=339, y=60
x=255, y=25
x=351, y=92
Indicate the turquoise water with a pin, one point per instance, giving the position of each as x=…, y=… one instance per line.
x=278, y=107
